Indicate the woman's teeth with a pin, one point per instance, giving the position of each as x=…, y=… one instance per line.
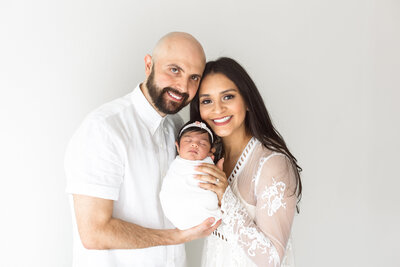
x=224, y=119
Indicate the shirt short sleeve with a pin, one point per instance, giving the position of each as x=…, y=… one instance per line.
x=93, y=164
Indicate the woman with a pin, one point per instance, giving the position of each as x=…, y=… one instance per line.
x=259, y=198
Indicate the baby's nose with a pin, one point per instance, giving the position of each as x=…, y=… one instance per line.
x=194, y=144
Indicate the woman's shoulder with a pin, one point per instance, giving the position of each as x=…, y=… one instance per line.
x=261, y=151
x=263, y=155
x=272, y=164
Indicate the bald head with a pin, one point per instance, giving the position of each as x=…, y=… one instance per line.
x=179, y=43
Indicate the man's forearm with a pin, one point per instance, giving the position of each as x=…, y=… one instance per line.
x=119, y=234
x=99, y=230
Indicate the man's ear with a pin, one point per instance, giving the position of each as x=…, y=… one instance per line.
x=177, y=146
x=148, y=64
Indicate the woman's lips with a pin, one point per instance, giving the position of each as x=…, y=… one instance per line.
x=222, y=121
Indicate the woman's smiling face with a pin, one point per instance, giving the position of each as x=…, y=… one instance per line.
x=221, y=105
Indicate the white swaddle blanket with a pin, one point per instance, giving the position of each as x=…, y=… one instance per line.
x=184, y=203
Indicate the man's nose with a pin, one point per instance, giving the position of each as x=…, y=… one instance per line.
x=183, y=85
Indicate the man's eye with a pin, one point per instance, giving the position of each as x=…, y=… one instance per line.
x=195, y=78
x=174, y=70
x=206, y=101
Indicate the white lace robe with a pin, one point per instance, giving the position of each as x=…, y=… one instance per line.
x=258, y=210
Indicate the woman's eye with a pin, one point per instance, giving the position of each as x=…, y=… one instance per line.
x=205, y=101
x=174, y=70
x=227, y=97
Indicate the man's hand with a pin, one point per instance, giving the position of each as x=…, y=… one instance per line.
x=202, y=230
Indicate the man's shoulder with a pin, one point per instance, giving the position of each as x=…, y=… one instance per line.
x=114, y=108
x=110, y=118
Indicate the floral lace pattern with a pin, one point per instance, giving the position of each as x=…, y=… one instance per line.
x=243, y=234
x=273, y=195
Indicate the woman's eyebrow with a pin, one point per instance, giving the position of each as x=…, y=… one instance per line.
x=223, y=92
x=228, y=90
x=203, y=95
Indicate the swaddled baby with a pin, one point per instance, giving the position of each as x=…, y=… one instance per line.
x=184, y=203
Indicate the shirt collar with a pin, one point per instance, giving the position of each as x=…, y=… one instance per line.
x=146, y=111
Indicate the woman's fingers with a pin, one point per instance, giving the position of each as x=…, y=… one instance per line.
x=212, y=170
x=220, y=164
x=207, y=178
x=208, y=186
x=219, y=190
x=214, y=178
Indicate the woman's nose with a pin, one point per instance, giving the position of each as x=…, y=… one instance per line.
x=218, y=107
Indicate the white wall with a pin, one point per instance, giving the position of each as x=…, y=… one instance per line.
x=328, y=71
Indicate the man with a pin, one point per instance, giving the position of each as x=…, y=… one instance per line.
x=117, y=158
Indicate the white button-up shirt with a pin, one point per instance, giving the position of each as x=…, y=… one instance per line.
x=121, y=152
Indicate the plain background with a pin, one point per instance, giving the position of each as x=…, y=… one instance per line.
x=329, y=72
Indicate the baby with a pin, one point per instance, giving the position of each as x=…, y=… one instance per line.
x=184, y=203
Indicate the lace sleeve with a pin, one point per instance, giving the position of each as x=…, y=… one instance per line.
x=263, y=239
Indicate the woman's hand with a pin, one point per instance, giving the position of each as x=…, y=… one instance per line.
x=214, y=178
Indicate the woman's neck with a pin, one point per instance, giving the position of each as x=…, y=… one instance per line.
x=234, y=144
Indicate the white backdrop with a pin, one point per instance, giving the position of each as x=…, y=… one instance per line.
x=328, y=71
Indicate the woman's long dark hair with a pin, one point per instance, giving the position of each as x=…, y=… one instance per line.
x=257, y=121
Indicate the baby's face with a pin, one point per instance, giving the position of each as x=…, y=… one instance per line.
x=194, y=146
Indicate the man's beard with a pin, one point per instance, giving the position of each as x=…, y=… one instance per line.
x=158, y=97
